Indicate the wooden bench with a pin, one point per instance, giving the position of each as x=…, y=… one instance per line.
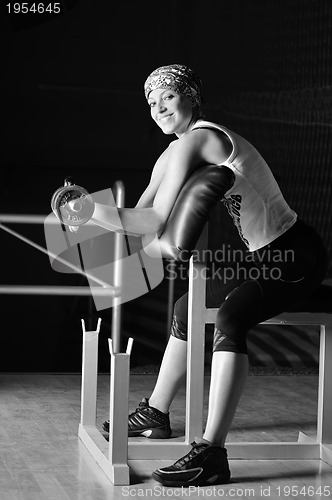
x=316, y=310
x=113, y=456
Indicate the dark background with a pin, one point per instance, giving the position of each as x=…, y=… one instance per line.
x=73, y=104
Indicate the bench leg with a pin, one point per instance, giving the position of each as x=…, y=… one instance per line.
x=112, y=456
x=118, y=425
x=89, y=375
x=324, y=416
x=196, y=351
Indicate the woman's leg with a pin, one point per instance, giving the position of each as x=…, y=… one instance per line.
x=247, y=305
x=228, y=376
x=174, y=364
x=229, y=368
x=171, y=374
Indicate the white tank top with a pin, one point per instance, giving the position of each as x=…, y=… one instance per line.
x=255, y=202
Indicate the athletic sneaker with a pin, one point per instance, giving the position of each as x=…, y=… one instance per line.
x=147, y=421
x=205, y=464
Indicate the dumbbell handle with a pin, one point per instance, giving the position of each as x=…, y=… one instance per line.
x=75, y=206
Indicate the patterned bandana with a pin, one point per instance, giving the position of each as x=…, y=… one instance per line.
x=175, y=77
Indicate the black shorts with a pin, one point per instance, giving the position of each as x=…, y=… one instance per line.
x=259, y=286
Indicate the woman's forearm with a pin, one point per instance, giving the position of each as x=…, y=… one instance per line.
x=130, y=220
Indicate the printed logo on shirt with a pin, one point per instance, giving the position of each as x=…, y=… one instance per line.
x=233, y=205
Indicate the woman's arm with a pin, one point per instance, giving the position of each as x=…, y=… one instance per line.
x=109, y=217
x=158, y=172
x=186, y=154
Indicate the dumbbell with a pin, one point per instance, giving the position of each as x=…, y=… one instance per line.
x=72, y=204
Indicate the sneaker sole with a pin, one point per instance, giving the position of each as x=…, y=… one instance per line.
x=148, y=433
x=215, y=479
x=151, y=433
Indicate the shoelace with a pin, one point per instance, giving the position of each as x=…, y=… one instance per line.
x=196, y=448
x=142, y=404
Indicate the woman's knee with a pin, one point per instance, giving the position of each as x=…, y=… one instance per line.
x=229, y=318
x=238, y=313
x=229, y=334
x=230, y=342
x=179, y=320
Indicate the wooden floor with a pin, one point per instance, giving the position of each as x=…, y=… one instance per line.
x=42, y=458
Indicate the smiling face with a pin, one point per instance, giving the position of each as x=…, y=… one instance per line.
x=171, y=111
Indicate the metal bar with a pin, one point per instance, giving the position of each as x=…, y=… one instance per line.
x=118, y=272
x=54, y=256
x=23, y=219
x=31, y=219
x=56, y=290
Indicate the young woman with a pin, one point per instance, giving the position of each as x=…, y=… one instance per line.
x=264, y=221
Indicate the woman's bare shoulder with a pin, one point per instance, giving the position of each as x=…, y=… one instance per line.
x=215, y=147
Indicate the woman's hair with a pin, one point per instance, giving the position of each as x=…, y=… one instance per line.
x=198, y=114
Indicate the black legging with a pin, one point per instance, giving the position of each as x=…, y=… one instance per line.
x=280, y=275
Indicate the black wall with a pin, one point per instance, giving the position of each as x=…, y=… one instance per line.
x=72, y=103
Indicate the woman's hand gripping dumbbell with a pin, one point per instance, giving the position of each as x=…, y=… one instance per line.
x=72, y=204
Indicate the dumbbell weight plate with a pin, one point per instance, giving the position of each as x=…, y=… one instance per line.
x=73, y=205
